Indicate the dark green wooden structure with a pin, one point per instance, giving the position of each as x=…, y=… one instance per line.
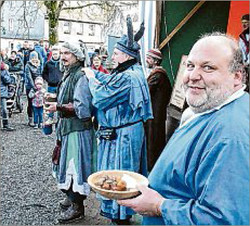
x=211, y=16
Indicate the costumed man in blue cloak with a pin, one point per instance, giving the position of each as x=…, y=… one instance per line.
x=202, y=175
x=123, y=106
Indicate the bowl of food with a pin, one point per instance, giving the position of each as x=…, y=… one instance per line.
x=117, y=184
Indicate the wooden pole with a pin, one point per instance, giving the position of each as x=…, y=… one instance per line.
x=178, y=27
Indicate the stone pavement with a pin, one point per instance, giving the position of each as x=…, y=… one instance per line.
x=29, y=195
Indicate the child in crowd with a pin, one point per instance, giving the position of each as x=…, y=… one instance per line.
x=37, y=102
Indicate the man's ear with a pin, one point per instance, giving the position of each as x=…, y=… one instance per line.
x=238, y=78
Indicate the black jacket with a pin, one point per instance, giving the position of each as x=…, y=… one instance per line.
x=51, y=73
x=15, y=65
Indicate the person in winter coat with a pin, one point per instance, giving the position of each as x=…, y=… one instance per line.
x=25, y=52
x=41, y=51
x=4, y=56
x=97, y=64
x=32, y=71
x=52, y=74
x=6, y=79
x=37, y=102
x=31, y=49
x=15, y=63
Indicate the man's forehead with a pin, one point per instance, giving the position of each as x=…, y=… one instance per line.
x=210, y=50
x=63, y=49
x=212, y=45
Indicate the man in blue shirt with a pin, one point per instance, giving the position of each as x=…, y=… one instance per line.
x=202, y=176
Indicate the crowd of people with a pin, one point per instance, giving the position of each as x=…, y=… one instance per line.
x=194, y=179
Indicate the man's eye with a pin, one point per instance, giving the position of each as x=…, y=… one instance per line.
x=208, y=68
x=189, y=66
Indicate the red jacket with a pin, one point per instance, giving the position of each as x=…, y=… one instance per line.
x=101, y=69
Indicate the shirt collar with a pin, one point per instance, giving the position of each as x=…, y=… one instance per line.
x=188, y=115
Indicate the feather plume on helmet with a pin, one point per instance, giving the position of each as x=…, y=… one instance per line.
x=129, y=43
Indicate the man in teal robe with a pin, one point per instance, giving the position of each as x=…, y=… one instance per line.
x=123, y=106
x=202, y=176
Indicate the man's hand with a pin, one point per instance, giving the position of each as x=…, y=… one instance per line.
x=89, y=73
x=148, y=203
x=49, y=95
x=51, y=108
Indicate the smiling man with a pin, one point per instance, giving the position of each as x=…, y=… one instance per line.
x=202, y=175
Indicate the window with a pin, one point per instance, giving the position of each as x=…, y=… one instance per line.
x=19, y=22
x=80, y=29
x=12, y=4
x=67, y=27
x=91, y=30
x=11, y=28
x=32, y=23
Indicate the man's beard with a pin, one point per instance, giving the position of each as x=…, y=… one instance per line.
x=209, y=99
x=149, y=65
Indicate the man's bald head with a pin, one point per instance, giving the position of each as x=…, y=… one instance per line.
x=229, y=45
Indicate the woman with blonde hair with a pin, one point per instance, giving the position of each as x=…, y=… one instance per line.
x=33, y=69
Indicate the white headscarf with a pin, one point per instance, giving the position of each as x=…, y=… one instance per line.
x=75, y=49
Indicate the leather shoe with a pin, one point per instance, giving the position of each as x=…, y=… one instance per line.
x=74, y=213
x=65, y=204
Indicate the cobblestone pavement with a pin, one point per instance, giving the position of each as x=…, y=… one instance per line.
x=28, y=192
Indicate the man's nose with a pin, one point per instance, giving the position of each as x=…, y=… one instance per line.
x=195, y=74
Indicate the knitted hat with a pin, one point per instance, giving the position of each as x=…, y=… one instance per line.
x=245, y=17
x=74, y=49
x=39, y=80
x=33, y=55
x=129, y=43
x=155, y=53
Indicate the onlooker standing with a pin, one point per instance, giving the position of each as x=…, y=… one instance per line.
x=160, y=92
x=4, y=56
x=26, y=52
x=32, y=48
x=39, y=48
x=15, y=63
x=16, y=66
x=37, y=102
x=244, y=45
x=32, y=71
x=5, y=80
x=47, y=50
x=52, y=74
x=97, y=64
x=244, y=38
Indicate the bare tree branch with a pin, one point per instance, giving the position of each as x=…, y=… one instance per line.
x=1, y=3
x=82, y=6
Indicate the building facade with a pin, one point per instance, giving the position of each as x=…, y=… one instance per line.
x=27, y=20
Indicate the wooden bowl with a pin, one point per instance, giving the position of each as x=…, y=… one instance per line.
x=116, y=195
